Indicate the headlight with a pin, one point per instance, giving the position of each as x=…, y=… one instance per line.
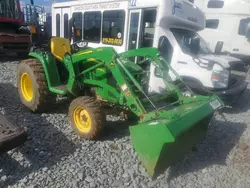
x=220, y=78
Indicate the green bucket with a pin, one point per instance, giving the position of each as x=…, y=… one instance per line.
x=162, y=142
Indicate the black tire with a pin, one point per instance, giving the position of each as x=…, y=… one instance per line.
x=42, y=99
x=94, y=112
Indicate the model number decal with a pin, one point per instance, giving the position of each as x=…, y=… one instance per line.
x=215, y=104
x=124, y=87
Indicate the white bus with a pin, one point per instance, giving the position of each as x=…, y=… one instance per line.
x=170, y=25
x=227, y=21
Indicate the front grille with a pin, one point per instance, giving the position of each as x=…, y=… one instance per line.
x=237, y=66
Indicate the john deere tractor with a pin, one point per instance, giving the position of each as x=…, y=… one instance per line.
x=169, y=122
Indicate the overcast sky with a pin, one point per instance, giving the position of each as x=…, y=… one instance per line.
x=45, y=3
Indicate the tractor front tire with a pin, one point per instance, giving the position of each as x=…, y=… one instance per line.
x=86, y=117
x=32, y=86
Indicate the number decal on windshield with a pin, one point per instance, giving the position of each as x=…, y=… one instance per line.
x=133, y=3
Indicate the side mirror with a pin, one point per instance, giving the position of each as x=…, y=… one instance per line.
x=195, y=45
x=248, y=32
x=248, y=37
x=218, y=47
x=165, y=48
x=158, y=72
x=161, y=44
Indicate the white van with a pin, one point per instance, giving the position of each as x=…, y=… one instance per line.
x=170, y=25
x=228, y=22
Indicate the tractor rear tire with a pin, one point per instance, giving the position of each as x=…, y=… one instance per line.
x=32, y=86
x=86, y=117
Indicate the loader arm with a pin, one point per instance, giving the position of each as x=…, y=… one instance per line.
x=160, y=62
x=108, y=58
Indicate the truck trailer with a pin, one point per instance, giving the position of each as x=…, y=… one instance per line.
x=14, y=35
x=227, y=23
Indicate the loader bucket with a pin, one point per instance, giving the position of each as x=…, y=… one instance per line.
x=11, y=136
x=162, y=142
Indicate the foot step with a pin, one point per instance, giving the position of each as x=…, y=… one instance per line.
x=61, y=87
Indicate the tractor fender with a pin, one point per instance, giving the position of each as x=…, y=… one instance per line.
x=49, y=65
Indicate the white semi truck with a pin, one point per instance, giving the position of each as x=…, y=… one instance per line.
x=227, y=23
x=170, y=25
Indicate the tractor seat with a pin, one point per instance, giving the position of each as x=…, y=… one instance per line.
x=59, y=47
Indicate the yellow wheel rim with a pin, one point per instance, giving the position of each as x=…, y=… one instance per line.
x=26, y=87
x=82, y=119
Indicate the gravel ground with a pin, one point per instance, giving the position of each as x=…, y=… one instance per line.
x=54, y=156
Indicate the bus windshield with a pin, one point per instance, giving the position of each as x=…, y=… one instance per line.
x=185, y=38
x=9, y=9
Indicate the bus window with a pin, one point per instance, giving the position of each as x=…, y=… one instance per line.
x=212, y=23
x=66, y=26
x=133, y=31
x=113, y=27
x=58, y=25
x=215, y=4
x=243, y=27
x=149, y=18
x=92, y=26
x=77, y=25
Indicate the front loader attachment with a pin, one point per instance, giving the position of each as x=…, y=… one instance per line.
x=171, y=118
x=161, y=142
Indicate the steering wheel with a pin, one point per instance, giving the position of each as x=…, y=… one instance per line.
x=80, y=45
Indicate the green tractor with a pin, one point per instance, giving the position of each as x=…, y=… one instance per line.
x=169, y=123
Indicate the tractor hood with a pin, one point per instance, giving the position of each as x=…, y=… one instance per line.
x=225, y=61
